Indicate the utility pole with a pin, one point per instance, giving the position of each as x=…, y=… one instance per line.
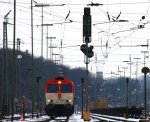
x=17, y=77
x=130, y=63
x=37, y=99
x=42, y=17
x=4, y=69
x=14, y=63
x=119, y=73
x=55, y=60
x=42, y=5
x=47, y=45
x=124, y=71
x=41, y=68
x=130, y=67
x=4, y=80
x=51, y=53
x=18, y=83
x=124, y=77
x=32, y=61
x=51, y=47
x=42, y=25
x=144, y=52
x=53, y=69
x=137, y=80
x=47, y=25
x=127, y=95
x=82, y=82
x=47, y=38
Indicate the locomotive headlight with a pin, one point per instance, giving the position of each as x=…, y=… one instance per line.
x=48, y=101
x=69, y=101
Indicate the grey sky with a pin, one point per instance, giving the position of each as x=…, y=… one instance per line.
x=113, y=41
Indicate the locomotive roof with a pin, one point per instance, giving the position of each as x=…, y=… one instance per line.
x=59, y=78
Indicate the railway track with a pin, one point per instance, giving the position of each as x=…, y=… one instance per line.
x=105, y=118
x=57, y=119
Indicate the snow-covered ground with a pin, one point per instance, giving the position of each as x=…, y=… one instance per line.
x=73, y=118
x=109, y=118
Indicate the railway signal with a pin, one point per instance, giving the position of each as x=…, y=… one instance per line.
x=87, y=50
x=145, y=70
x=87, y=25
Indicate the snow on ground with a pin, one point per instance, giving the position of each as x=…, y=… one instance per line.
x=35, y=119
x=76, y=117
x=121, y=118
x=73, y=118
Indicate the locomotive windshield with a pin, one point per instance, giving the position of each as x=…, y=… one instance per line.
x=53, y=88
x=66, y=88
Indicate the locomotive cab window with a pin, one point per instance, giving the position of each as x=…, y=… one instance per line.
x=65, y=88
x=52, y=88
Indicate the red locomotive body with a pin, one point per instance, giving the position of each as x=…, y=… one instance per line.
x=59, y=97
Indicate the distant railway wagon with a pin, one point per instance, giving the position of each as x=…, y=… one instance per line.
x=59, y=97
x=99, y=103
x=130, y=111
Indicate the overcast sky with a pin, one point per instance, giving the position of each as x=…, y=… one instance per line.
x=113, y=41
